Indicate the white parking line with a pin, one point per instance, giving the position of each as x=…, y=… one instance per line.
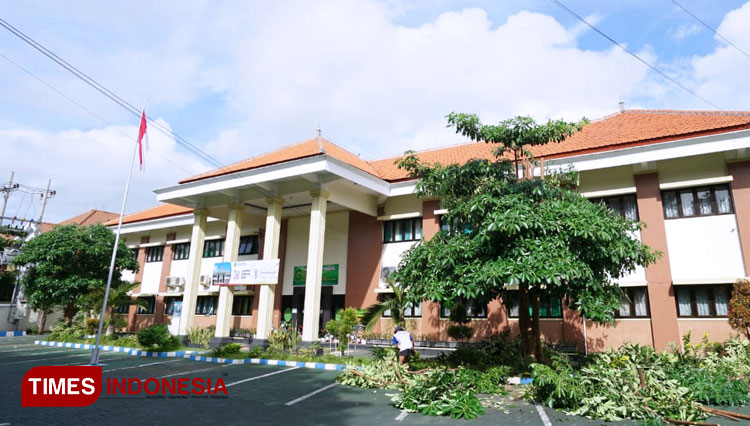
x=142, y=365
x=302, y=398
x=52, y=352
x=543, y=415
x=194, y=371
x=42, y=359
x=260, y=377
x=402, y=416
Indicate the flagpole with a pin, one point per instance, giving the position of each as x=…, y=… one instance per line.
x=95, y=351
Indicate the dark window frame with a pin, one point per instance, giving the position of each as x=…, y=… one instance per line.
x=169, y=304
x=238, y=311
x=694, y=300
x=122, y=309
x=696, y=205
x=545, y=305
x=218, y=248
x=150, y=309
x=607, y=201
x=154, y=254
x=629, y=291
x=409, y=312
x=203, y=308
x=469, y=304
x=181, y=251
x=254, y=241
x=414, y=224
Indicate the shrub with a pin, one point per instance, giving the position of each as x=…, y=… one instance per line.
x=285, y=339
x=225, y=350
x=63, y=332
x=460, y=332
x=117, y=322
x=739, y=307
x=242, y=332
x=255, y=352
x=92, y=325
x=156, y=335
x=342, y=326
x=460, y=329
x=201, y=336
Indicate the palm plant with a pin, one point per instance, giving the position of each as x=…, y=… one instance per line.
x=119, y=296
x=395, y=303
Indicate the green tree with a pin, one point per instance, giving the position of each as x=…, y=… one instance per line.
x=340, y=327
x=119, y=296
x=739, y=307
x=68, y=263
x=534, y=234
x=394, y=303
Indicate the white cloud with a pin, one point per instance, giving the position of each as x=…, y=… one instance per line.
x=684, y=31
x=89, y=168
x=721, y=76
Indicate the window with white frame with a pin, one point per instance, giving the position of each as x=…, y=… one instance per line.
x=412, y=311
x=549, y=306
x=698, y=201
x=213, y=248
x=149, y=307
x=703, y=300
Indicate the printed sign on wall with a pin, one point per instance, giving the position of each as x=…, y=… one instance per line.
x=330, y=275
x=248, y=272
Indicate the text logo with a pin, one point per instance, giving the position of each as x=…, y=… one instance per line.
x=71, y=386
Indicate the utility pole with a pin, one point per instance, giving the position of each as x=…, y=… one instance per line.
x=6, y=194
x=45, y=195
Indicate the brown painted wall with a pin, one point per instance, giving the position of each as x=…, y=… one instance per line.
x=718, y=329
x=659, y=276
x=431, y=326
x=363, y=260
x=741, y=194
x=138, y=278
x=166, y=268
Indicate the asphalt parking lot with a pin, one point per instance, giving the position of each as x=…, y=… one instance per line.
x=257, y=395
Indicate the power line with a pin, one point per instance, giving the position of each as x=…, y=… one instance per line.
x=628, y=51
x=710, y=28
x=84, y=108
x=110, y=94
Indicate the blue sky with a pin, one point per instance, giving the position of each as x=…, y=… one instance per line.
x=242, y=78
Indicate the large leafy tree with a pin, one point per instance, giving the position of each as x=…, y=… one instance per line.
x=67, y=264
x=533, y=234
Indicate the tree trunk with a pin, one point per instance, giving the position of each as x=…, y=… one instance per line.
x=524, y=322
x=41, y=320
x=535, y=331
x=70, y=311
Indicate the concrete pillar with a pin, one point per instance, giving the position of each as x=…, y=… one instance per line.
x=270, y=251
x=190, y=296
x=226, y=293
x=310, y=324
x=741, y=195
x=431, y=325
x=664, y=325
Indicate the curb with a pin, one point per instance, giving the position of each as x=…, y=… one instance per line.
x=263, y=361
x=129, y=351
x=12, y=333
x=191, y=355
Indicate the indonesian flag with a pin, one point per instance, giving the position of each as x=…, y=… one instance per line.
x=142, y=139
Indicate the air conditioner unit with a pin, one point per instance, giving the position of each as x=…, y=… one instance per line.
x=205, y=280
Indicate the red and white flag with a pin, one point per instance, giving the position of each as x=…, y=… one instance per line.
x=142, y=140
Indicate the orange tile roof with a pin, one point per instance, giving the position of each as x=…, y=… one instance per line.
x=162, y=210
x=309, y=148
x=90, y=217
x=620, y=130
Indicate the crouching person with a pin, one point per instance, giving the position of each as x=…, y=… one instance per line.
x=404, y=342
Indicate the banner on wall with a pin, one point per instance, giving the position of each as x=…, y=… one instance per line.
x=247, y=272
x=330, y=275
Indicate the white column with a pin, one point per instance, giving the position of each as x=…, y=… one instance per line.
x=270, y=251
x=313, y=282
x=190, y=295
x=231, y=247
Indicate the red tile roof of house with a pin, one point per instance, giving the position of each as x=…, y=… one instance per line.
x=309, y=148
x=621, y=130
x=90, y=217
x=160, y=211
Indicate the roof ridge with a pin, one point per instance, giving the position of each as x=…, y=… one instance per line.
x=736, y=113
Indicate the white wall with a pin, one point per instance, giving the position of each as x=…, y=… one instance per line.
x=638, y=276
x=334, y=251
x=151, y=276
x=390, y=256
x=704, y=248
